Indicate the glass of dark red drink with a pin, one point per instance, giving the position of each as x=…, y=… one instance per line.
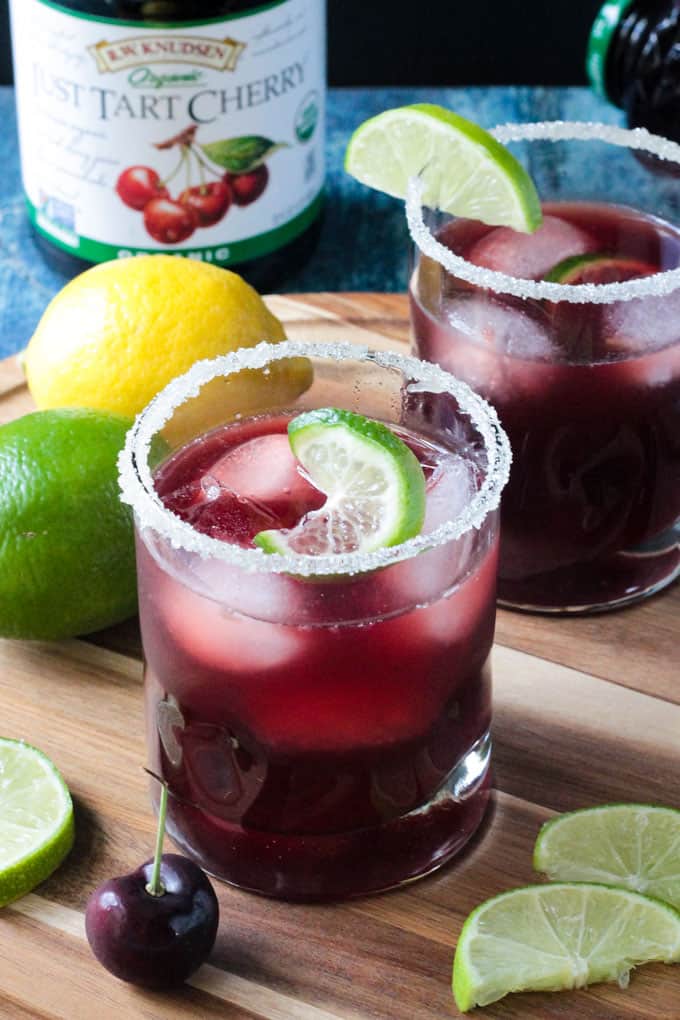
x=573, y=334
x=321, y=721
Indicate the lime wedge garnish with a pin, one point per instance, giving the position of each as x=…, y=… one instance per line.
x=464, y=170
x=36, y=819
x=594, y=267
x=552, y=937
x=374, y=484
x=632, y=845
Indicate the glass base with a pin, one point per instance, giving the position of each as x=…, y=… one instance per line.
x=342, y=865
x=599, y=586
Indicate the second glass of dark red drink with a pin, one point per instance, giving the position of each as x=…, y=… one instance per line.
x=573, y=334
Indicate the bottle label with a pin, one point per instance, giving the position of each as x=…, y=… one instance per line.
x=204, y=138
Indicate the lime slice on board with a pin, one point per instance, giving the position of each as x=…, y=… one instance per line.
x=552, y=937
x=632, y=845
x=374, y=484
x=464, y=170
x=36, y=819
x=594, y=267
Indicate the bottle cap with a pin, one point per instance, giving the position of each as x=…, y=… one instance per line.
x=604, y=26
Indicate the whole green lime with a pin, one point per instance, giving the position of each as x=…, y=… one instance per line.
x=67, y=562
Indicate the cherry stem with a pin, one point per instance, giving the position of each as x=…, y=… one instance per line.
x=201, y=167
x=206, y=165
x=174, y=173
x=186, y=155
x=155, y=886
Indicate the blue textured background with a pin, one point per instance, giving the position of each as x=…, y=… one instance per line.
x=364, y=240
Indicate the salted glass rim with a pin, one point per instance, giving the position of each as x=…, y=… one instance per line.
x=658, y=284
x=137, y=488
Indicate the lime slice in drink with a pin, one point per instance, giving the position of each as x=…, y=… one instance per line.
x=36, y=819
x=464, y=170
x=594, y=267
x=552, y=937
x=632, y=845
x=374, y=484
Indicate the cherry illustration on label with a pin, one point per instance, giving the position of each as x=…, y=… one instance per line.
x=209, y=202
x=230, y=172
x=137, y=185
x=168, y=221
x=247, y=188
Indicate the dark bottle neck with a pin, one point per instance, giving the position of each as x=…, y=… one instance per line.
x=161, y=10
x=640, y=53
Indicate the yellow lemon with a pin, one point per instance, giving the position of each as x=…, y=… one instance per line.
x=116, y=334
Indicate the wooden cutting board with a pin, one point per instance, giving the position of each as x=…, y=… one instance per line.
x=586, y=711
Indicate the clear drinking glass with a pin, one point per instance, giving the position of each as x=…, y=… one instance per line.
x=322, y=722
x=573, y=334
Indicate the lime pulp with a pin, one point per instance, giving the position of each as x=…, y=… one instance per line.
x=560, y=936
x=464, y=170
x=374, y=484
x=36, y=819
x=636, y=846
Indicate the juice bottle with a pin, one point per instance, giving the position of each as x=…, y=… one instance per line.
x=160, y=126
x=632, y=61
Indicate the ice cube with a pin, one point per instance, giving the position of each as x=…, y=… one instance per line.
x=450, y=488
x=530, y=256
x=502, y=325
x=642, y=325
x=452, y=620
x=424, y=577
x=265, y=470
x=221, y=641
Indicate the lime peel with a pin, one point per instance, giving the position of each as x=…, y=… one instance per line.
x=560, y=936
x=576, y=268
x=373, y=480
x=36, y=819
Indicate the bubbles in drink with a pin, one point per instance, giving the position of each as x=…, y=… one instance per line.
x=531, y=256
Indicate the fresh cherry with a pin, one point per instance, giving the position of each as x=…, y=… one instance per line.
x=209, y=202
x=247, y=188
x=167, y=221
x=157, y=925
x=138, y=185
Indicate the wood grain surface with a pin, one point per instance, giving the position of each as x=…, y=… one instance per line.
x=587, y=710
